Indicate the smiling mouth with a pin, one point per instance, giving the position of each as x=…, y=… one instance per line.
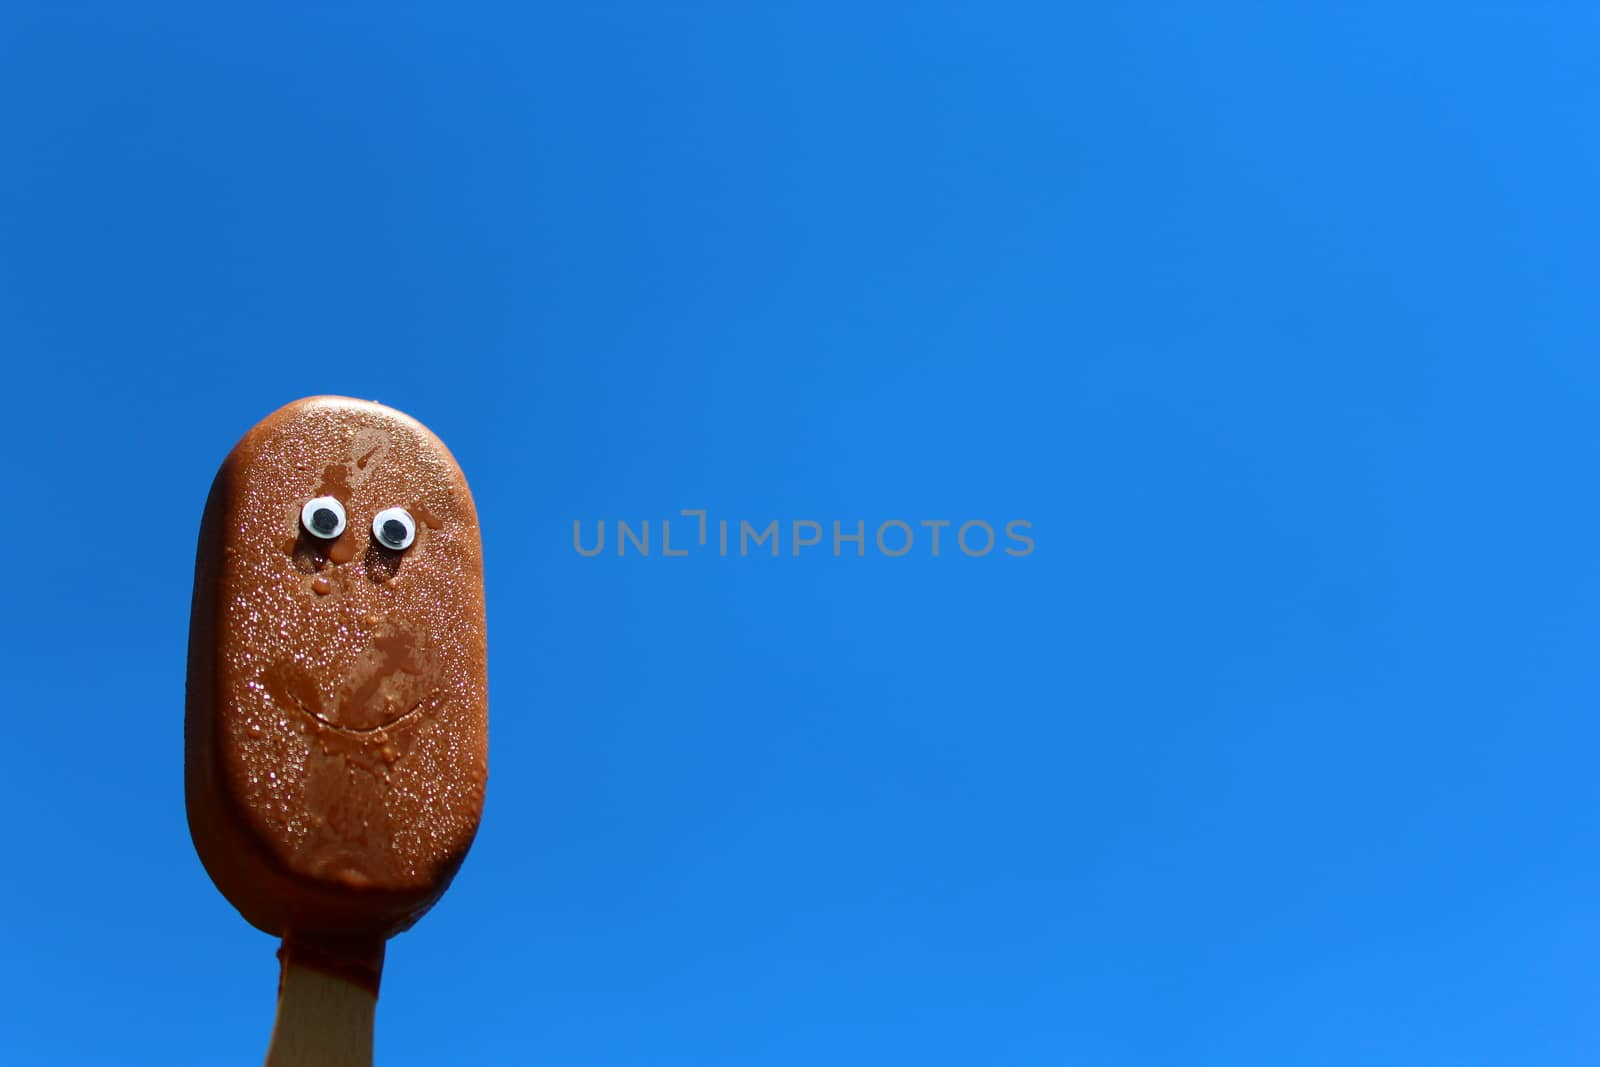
x=388, y=684
x=385, y=724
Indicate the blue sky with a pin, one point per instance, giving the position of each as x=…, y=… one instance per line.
x=1278, y=327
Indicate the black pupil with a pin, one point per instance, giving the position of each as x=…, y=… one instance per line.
x=394, y=531
x=323, y=520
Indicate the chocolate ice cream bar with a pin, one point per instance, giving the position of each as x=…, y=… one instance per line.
x=337, y=722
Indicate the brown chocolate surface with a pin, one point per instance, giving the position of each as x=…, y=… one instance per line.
x=336, y=744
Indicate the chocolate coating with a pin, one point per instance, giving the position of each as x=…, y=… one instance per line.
x=336, y=740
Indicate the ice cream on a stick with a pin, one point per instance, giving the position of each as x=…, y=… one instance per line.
x=336, y=741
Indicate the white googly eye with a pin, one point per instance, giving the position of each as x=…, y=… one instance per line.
x=323, y=517
x=394, y=528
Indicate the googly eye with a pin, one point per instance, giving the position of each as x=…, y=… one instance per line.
x=394, y=528
x=323, y=517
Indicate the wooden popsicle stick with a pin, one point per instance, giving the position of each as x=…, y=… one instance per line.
x=327, y=1003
